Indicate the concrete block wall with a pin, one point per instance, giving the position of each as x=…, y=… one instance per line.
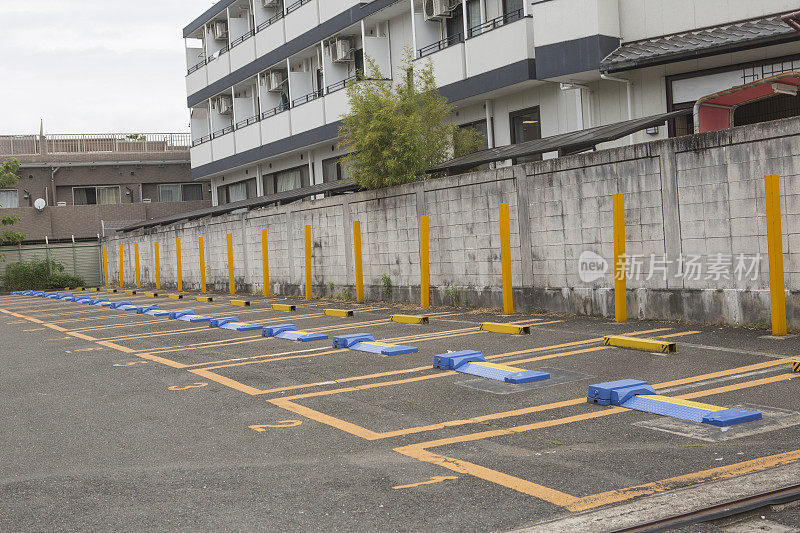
x=697, y=195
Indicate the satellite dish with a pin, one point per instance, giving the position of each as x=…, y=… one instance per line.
x=39, y=203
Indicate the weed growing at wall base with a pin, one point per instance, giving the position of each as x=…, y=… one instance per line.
x=38, y=274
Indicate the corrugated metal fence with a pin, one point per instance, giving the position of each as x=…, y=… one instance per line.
x=82, y=259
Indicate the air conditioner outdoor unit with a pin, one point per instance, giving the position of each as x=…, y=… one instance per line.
x=220, y=30
x=341, y=51
x=224, y=105
x=438, y=9
x=275, y=81
x=270, y=3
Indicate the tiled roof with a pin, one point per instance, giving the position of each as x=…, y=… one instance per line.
x=707, y=41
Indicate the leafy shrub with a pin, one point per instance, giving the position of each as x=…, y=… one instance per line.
x=38, y=274
x=387, y=287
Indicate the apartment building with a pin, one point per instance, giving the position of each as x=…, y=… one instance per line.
x=84, y=185
x=265, y=78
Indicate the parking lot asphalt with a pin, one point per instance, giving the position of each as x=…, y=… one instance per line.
x=118, y=420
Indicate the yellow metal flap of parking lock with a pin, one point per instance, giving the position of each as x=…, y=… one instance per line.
x=510, y=329
x=240, y=303
x=410, y=319
x=647, y=345
x=283, y=307
x=175, y=296
x=341, y=313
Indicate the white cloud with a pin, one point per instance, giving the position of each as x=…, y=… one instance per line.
x=92, y=66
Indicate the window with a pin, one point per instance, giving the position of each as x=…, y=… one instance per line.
x=180, y=192
x=526, y=126
x=9, y=198
x=509, y=6
x=169, y=193
x=95, y=195
x=236, y=192
x=192, y=192
x=333, y=170
x=480, y=127
x=286, y=180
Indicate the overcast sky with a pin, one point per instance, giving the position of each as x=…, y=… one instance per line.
x=94, y=66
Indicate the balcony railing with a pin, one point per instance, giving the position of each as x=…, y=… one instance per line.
x=306, y=98
x=247, y=122
x=450, y=40
x=270, y=21
x=275, y=111
x=339, y=85
x=196, y=67
x=94, y=143
x=239, y=40
x=297, y=5
x=497, y=22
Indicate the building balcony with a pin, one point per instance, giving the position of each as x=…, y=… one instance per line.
x=501, y=41
x=308, y=112
x=197, y=77
x=247, y=134
x=270, y=34
x=243, y=50
x=218, y=65
x=301, y=17
x=275, y=124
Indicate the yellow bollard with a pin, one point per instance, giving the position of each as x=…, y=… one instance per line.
x=105, y=265
x=265, y=259
x=357, y=254
x=308, y=262
x=179, y=265
x=424, y=262
x=620, y=281
x=202, y=253
x=775, y=247
x=231, y=281
x=505, y=259
x=138, y=272
x=157, y=255
x=121, y=270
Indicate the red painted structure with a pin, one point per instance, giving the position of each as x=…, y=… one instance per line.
x=715, y=111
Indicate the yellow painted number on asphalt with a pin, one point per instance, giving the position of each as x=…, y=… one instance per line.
x=131, y=363
x=280, y=424
x=192, y=386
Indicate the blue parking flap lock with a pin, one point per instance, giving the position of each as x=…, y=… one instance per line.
x=241, y=326
x=38, y=293
x=195, y=318
x=219, y=322
x=97, y=300
x=272, y=331
x=142, y=309
x=601, y=393
x=346, y=341
x=118, y=305
x=177, y=314
x=526, y=377
x=27, y=293
x=452, y=360
x=157, y=312
x=128, y=307
x=65, y=296
x=53, y=295
x=729, y=417
x=104, y=304
x=82, y=300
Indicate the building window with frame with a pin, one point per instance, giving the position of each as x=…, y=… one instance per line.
x=333, y=169
x=286, y=180
x=9, y=198
x=107, y=195
x=177, y=192
x=526, y=126
x=237, y=192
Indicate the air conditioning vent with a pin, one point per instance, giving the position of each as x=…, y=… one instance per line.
x=275, y=81
x=220, y=30
x=438, y=9
x=270, y=3
x=341, y=51
x=223, y=105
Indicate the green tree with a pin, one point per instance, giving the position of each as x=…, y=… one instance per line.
x=8, y=177
x=395, y=132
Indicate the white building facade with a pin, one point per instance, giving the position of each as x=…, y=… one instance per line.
x=265, y=78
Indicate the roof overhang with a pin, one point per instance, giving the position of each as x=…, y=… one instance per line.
x=564, y=144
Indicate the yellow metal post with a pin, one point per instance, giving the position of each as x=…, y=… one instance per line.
x=775, y=247
x=105, y=265
x=505, y=259
x=357, y=253
x=202, y=252
x=121, y=269
x=179, y=264
x=620, y=281
x=157, y=253
x=138, y=272
x=308, y=262
x=424, y=265
x=231, y=282
x=265, y=259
